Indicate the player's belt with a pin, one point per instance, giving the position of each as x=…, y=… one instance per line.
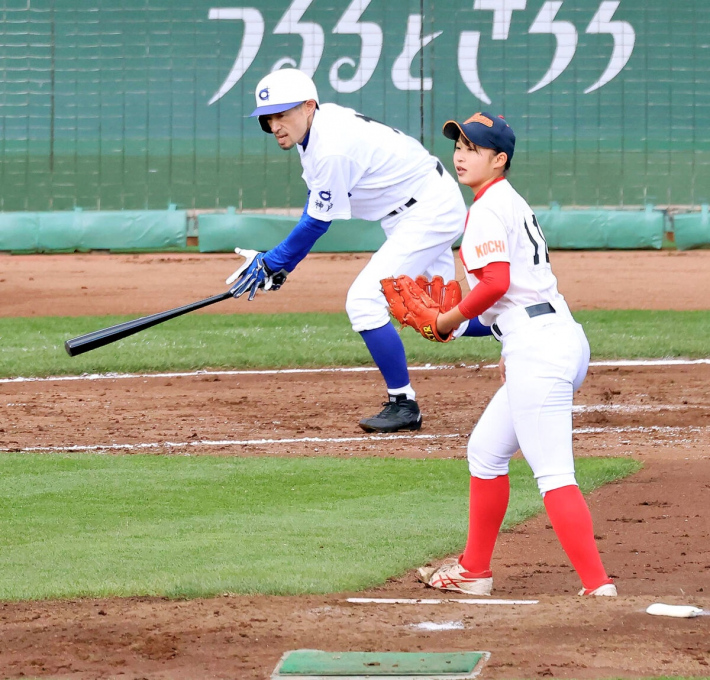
x=539, y=310
x=402, y=208
x=532, y=311
x=412, y=201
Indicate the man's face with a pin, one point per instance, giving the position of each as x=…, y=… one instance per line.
x=290, y=126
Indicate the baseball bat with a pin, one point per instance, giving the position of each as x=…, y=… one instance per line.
x=105, y=336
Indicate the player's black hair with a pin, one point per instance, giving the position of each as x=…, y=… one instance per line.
x=469, y=143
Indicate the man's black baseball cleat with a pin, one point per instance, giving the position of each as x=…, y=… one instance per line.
x=399, y=413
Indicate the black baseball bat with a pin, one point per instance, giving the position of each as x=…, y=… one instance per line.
x=105, y=336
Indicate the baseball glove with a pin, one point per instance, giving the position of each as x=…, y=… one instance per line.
x=418, y=303
x=446, y=295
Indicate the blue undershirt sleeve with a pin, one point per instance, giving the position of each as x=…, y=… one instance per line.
x=297, y=244
x=476, y=329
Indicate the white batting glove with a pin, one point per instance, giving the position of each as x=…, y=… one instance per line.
x=248, y=256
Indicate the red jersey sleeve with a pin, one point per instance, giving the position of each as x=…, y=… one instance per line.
x=493, y=283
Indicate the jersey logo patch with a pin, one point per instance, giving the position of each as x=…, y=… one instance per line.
x=323, y=202
x=480, y=118
x=490, y=247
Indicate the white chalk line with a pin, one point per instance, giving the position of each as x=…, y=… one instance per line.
x=663, y=429
x=321, y=440
x=236, y=442
x=190, y=374
x=632, y=408
x=444, y=600
x=579, y=408
x=650, y=362
x=354, y=369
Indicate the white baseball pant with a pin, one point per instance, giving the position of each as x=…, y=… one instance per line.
x=546, y=361
x=419, y=241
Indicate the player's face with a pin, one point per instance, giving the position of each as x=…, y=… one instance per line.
x=476, y=166
x=290, y=127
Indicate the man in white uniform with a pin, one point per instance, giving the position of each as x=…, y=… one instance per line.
x=357, y=167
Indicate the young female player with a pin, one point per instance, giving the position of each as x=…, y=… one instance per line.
x=544, y=359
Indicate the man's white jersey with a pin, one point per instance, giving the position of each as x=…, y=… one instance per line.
x=357, y=167
x=501, y=227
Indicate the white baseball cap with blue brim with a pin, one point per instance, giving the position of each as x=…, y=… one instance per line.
x=281, y=91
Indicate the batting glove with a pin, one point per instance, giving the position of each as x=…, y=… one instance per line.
x=253, y=274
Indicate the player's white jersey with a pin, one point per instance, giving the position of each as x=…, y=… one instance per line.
x=501, y=227
x=357, y=167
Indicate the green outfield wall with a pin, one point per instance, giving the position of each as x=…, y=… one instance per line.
x=137, y=104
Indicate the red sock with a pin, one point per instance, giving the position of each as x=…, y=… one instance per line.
x=488, y=501
x=572, y=522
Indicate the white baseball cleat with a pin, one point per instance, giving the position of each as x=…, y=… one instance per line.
x=604, y=590
x=452, y=576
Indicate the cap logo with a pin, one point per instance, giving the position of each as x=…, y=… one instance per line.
x=264, y=94
x=480, y=118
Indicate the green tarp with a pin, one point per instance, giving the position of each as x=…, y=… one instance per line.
x=224, y=232
x=602, y=229
x=221, y=232
x=692, y=230
x=563, y=229
x=59, y=232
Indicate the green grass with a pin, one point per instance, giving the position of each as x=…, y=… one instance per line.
x=627, y=334
x=35, y=346
x=80, y=525
x=86, y=525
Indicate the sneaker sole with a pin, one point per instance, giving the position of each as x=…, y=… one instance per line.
x=370, y=428
x=480, y=587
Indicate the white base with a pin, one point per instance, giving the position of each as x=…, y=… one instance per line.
x=679, y=611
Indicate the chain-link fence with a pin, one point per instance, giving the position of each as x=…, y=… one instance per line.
x=135, y=104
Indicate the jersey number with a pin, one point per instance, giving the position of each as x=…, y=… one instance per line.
x=537, y=240
x=367, y=119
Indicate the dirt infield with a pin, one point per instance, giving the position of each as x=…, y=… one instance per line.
x=653, y=528
x=99, y=283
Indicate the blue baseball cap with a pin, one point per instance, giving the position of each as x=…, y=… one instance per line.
x=484, y=130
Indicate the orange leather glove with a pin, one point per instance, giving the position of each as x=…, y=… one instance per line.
x=418, y=303
x=446, y=295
